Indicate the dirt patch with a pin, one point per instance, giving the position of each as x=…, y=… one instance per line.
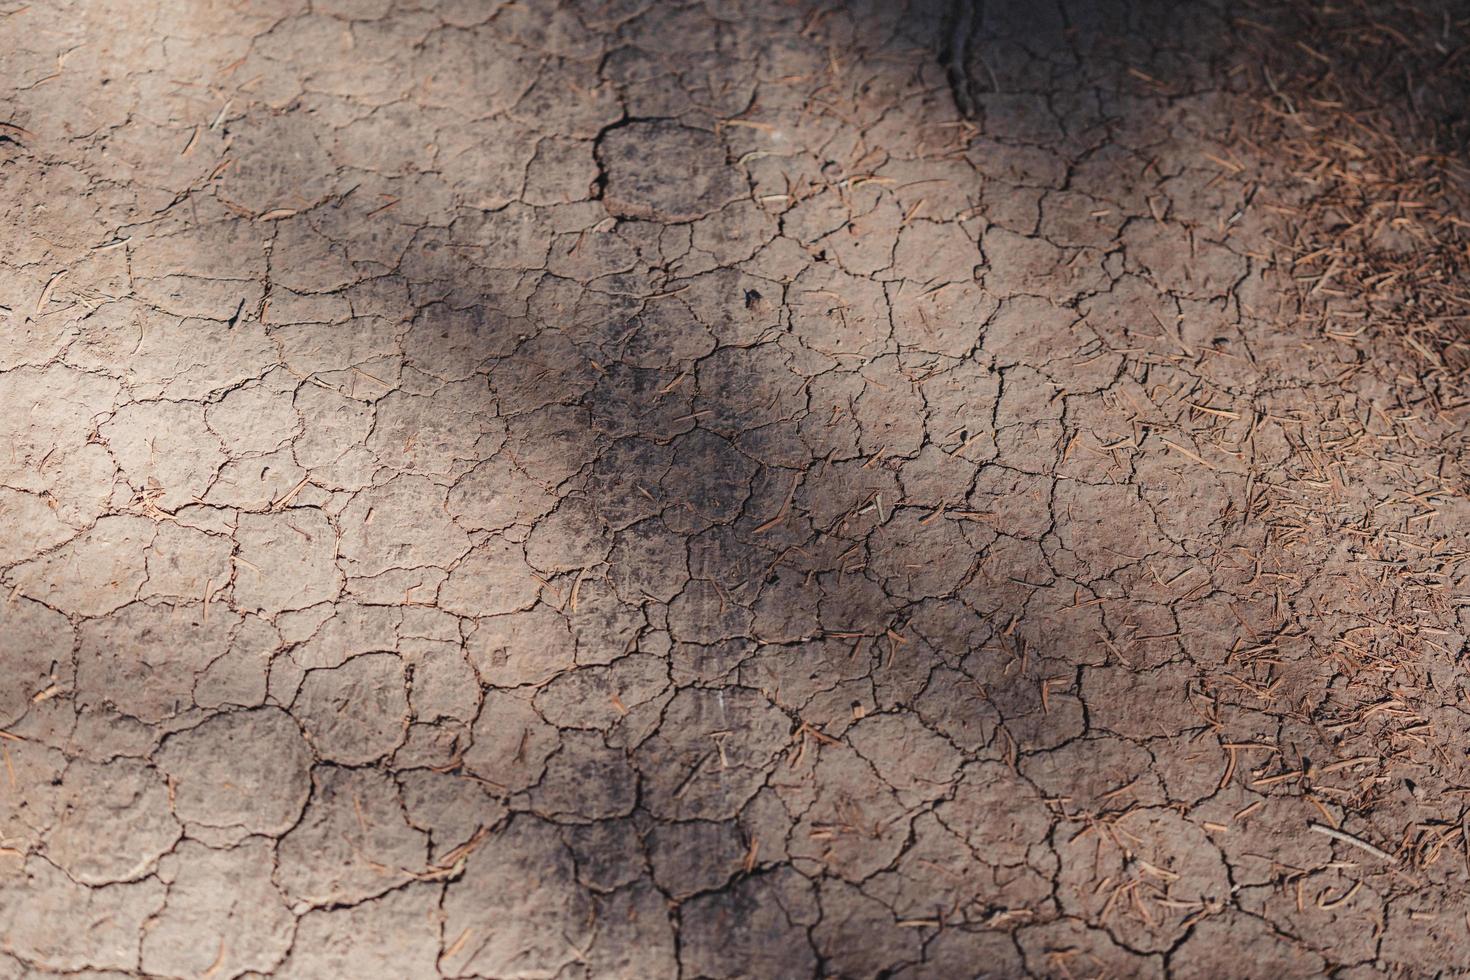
x=662, y=489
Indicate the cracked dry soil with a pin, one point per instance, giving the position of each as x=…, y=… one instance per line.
x=715, y=489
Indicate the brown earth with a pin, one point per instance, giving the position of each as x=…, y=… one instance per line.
x=720, y=489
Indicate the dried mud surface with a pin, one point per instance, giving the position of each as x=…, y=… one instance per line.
x=707, y=490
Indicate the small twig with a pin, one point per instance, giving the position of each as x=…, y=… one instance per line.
x=1357, y=842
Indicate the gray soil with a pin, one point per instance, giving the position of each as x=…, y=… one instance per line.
x=704, y=490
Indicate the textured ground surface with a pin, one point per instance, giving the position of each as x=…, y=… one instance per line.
x=706, y=490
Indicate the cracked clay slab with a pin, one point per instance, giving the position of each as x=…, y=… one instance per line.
x=568, y=490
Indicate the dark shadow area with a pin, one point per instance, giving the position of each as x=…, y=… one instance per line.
x=733, y=489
